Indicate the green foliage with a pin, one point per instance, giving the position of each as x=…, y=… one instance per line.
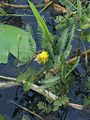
x=44, y=107
x=27, y=78
x=51, y=81
x=45, y=32
x=68, y=4
x=57, y=81
x=74, y=66
x=61, y=101
x=41, y=22
x=17, y=42
x=61, y=42
x=2, y=117
x=87, y=101
x=79, y=8
x=88, y=83
x=24, y=118
x=2, y=11
x=80, y=18
x=87, y=98
x=56, y=74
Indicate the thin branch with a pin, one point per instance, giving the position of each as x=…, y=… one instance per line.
x=2, y=4
x=47, y=5
x=56, y=7
x=83, y=54
x=44, y=92
x=27, y=110
x=72, y=60
x=47, y=93
x=21, y=15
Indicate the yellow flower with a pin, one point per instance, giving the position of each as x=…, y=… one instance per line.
x=42, y=57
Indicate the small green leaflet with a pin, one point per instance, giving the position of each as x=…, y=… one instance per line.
x=88, y=83
x=50, y=82
x=41, y=22
x=16, y=41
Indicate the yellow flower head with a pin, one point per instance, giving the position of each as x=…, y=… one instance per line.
x=42, y=57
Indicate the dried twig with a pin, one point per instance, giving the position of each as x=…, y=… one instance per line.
x=47, y=93
x=33, y=113
x=44, y=92
x=71, y=61
x=83, y=54
x=56, y=7
x=2, y=4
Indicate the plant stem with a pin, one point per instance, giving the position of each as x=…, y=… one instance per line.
x=21, y=15
x=47, y=93
x=19, y=6
x=44, y=92
x=27, y=110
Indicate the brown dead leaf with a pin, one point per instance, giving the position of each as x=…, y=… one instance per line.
x=46, y=1
x=59, y=8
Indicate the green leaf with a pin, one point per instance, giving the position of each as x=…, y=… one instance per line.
x=17, y=42
x=50, y=82
x=44, y=107
x=41, y=22
x=68, y=4
x=87, y=101
x=2, y=11
x=24, y=117
x=22, y=77
x=74, y=66
x=88, y=83
x=69, y=44
x=62, y=40
x=27, y=85
x=2, y=117
x=88, y=38
x=85, y=26
x=63, y=100
x=85, y=35
x=79, y=8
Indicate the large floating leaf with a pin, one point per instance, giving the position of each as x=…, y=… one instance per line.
x=17, y=42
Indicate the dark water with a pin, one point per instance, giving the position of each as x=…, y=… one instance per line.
x=17, y=94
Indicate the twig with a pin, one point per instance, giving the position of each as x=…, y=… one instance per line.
x=47, y=93
x=72, y=60
x=16, y=15
x=83, y=54
x=46, y=6
x=27, y=110
x=2, y=4
x=56, y=7
x=44, y=92
x=23, y=7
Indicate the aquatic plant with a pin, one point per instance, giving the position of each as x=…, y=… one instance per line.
x=56, y=72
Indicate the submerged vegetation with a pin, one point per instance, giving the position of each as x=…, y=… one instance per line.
x=56, y=72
